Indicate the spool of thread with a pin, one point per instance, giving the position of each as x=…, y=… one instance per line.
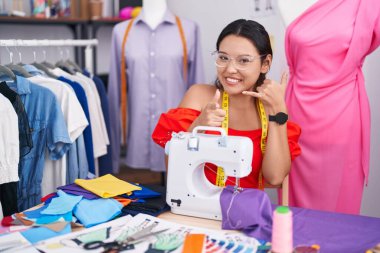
x=125, y=13
x=282, y=232
x=136, y=11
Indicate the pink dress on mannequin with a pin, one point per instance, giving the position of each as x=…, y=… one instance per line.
x=325, y=48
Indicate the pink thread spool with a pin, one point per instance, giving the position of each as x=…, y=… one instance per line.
x=282, y=232
x=126, y=12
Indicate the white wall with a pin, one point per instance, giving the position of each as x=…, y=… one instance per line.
x=212, y=16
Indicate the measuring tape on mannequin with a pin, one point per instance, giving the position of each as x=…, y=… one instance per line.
x=264, y=133
x=123, y=74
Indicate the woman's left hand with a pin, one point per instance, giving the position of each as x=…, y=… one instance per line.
x=272, y=94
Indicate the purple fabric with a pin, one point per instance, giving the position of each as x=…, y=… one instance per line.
x=334, y=232
x=79, y=191
x=249, y=211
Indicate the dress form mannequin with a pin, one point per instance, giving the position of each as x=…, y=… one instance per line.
x=291, y=9
x=154, y=11
x=333, y=169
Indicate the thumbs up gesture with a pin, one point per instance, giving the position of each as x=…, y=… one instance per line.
x=212, y=114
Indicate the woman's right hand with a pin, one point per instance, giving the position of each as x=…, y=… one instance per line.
x=211, y=114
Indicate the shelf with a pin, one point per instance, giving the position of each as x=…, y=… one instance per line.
x=47, y=21
x=58, y=21
x=106, y=21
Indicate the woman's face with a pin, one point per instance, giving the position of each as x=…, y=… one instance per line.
x=238, y=64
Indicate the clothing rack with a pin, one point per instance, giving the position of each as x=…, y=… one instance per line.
x=89, y=44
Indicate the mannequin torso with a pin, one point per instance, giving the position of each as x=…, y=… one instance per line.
x=291, y=9
x=154, y=11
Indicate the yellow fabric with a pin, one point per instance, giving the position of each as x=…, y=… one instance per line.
x=107, y=186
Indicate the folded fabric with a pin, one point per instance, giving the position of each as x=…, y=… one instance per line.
x=144, y=193
x=249, y=210
x=8, y=221
x=123, y=201
x=35, y=235
x=21, y=217
x=151, y=206
x=75, y=189
x=35, y=213
x=93, y=212
x=48, y=219
x=63, y=204
x=48, y=197
x=107, y=186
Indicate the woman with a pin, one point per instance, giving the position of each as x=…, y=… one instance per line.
x=243, y=57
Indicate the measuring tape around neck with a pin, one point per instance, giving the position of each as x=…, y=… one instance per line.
x=264, y=133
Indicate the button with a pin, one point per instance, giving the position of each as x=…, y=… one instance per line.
x=152, y=53
x=152, y=75
x=153, y=95
x=153, y=116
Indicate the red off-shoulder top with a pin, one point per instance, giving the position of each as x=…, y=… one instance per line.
x=180, y=119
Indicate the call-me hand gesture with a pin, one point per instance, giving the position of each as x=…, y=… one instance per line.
x=211, y=114
x=272, y=94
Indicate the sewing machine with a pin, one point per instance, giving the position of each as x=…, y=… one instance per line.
x=188, y=190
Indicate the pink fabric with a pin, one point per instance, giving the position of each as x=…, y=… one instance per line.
x=325, y=48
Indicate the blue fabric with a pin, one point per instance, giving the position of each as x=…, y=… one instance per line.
x=87, y=133
x=33, y=70
x=47, y=201
x=77, y=164
x=36, y=213
x=40, y=218
x=48, y=131
x=82, y=158
x=35, y=235
x=63, y=204
x=47, y=219
x=144, y=193
x=105, y=162
x=103, y=211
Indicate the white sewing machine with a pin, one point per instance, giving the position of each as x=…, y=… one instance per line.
x=188, y=190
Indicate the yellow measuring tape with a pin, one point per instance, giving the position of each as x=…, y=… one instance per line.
x=264, y=133
x=220, y=171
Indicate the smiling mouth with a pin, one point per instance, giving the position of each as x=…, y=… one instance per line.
x=233, y=80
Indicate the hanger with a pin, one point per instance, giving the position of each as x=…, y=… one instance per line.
x=6, y=71
x=17, y=69
x=45, y=63
x=42, y=67
x=73, y=64
x=64, y=65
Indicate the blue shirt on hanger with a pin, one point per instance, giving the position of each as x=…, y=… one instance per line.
x=105, y=162
x=87, y=133
x=49, y=132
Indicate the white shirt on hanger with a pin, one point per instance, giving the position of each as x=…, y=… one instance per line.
x=9, y=142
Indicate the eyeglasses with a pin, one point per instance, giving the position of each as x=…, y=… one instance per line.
x=242, y=62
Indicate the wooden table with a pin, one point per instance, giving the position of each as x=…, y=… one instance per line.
x=191, y=221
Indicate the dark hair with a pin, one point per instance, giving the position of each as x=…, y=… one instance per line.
x=252, y=31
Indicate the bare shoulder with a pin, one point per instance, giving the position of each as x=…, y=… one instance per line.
x=197, y=96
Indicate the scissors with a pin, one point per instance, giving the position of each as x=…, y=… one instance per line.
x=126, y=244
